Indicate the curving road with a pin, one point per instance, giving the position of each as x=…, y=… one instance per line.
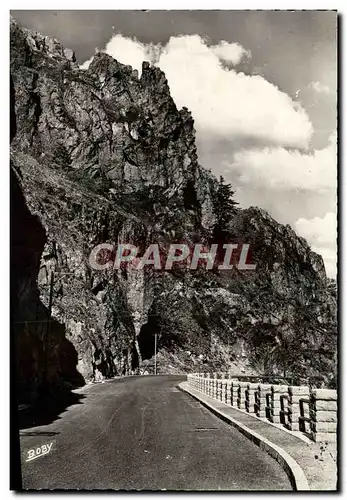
x=143, y=433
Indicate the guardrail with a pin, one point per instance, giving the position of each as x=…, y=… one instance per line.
x=297, y=408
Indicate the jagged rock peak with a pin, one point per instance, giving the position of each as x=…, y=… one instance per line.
x=42, y=45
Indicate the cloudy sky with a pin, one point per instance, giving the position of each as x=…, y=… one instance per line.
x=261, y=86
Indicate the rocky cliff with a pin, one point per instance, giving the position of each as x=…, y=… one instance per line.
x=103, y=156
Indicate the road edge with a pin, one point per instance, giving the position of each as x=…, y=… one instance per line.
x=293, y=470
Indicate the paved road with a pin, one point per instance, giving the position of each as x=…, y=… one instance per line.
x=144, y=433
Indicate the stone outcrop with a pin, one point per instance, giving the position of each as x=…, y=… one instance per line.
x=103, y=156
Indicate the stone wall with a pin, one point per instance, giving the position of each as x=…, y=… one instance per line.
x=297, y=408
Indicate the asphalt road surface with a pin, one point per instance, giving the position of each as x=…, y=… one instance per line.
x=142, y=433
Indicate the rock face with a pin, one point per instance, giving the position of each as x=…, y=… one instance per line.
x=103, y=156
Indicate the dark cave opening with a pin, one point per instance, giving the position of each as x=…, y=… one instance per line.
x=134, y=358
x=147, y=334
x=190, y=198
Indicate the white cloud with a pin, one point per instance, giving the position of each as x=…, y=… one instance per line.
x=319, y=231
x=320, y=88
x=230, y=52
x=230, y=104
x=86, y=64
x=279, y=172
x=129, y=51
x=288, y=169
x=321, y=234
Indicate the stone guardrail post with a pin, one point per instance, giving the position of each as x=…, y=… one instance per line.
x=228, y=385
x=276, y=412
x=323, y=413
x=305, y=415
x=210, y=385
x=210, y=392
x=250, y=397
x=241, y=398
x=219, y=389
x=214, y=386
x=204, y=383
x=295, y=394
x=284, y=409
x=224, y=390
x=234, y=392
x=220, y=386
x=262, y=396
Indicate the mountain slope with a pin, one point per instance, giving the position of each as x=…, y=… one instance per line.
x=102, y=156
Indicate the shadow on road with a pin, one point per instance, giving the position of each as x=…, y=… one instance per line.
x=47, y=410
x=48, y=434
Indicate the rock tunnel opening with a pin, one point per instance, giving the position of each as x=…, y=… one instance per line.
x=134, y=358
x=190, y=198
x=147, y=334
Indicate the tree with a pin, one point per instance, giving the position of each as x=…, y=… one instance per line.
x=224, y=207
